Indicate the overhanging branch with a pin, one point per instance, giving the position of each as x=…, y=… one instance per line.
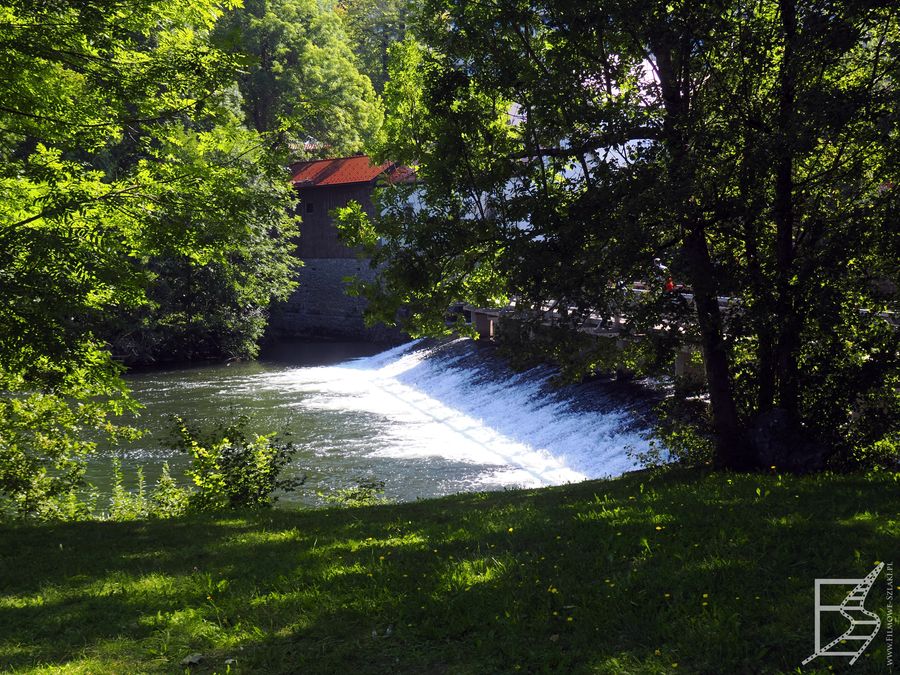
x=592, y=144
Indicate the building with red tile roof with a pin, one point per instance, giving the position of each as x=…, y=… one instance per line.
x=345, y=171
x=327, y=184
x=320, y=306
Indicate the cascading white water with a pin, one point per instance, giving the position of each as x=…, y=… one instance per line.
x=428, y=419
x=430, y=405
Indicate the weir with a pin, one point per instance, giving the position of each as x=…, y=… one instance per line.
x=427, y=418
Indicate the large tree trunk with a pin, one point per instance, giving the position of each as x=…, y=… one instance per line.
x=758, y=283
x=731, y=446
x=788, y=340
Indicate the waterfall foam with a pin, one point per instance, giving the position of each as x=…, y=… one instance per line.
x=435, y=401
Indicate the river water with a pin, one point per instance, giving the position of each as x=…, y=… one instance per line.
x=427, y=418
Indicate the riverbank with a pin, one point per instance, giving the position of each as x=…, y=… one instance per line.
x=711, y=572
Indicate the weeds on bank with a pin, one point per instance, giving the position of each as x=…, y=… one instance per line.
x=230, y=469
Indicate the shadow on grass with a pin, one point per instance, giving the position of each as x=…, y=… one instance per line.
x=714, y=573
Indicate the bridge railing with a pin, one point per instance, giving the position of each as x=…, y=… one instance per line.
x=552, y=312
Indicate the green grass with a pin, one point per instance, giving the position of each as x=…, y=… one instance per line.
x=711, y=572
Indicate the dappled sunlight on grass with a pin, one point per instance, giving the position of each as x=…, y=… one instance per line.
x=711, y=572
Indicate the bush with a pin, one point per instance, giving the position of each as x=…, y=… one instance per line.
x=168, y=500
x=232, y=469
x=882, y=455
x=682, y=434
x=50, y=421
x=123, y=504
x=364, y=493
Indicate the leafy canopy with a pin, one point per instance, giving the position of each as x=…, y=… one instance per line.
x=119, y=146
x=567, y=151
x=300, y=77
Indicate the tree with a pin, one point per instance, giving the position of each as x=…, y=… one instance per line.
x=373, y=26
x=208, y=290
x=300, y=77
x=117, y=148
x=751, y=147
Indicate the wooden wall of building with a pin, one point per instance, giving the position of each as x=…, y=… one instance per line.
x=318, y=235
x=320, y=307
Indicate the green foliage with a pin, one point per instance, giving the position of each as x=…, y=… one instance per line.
x=81, y=74
x=123, y=503
x=682, y=434
x=230, y=469
x=442, y=243
x=123, y=174
x=42, y=445
x=233, y=469
x=300, y=79
x=882, y=455
x=220, y=252
x=373, y=27
x=754, y=150
x=364, y=493
x=168, y=499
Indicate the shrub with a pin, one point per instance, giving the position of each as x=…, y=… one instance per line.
x=364, y=493
x=681, y=434
x=168, y=500
x=46, y=438
x=882, y=455
x=231, y=468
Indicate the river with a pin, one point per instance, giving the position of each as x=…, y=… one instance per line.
x=427, y=418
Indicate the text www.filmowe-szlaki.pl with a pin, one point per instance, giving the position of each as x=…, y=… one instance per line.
x=889, y=623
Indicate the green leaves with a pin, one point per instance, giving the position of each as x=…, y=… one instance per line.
x=300, y=78
x=566, y=151
x=216, y=244
x=233, y=469
x=46, y=436
x=122, y=159
x=373, y=26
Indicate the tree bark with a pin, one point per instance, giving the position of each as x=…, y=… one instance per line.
x=757, y=281
x=788, y=340
x=731, y=446
x=732, y=450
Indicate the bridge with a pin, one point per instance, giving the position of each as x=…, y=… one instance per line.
x=597, y=324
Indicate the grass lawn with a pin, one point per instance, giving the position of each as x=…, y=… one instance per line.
x=685, y=572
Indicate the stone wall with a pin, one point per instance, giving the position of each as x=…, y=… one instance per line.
x=320, y=307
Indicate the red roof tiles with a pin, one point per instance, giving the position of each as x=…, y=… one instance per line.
x=343, y=171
